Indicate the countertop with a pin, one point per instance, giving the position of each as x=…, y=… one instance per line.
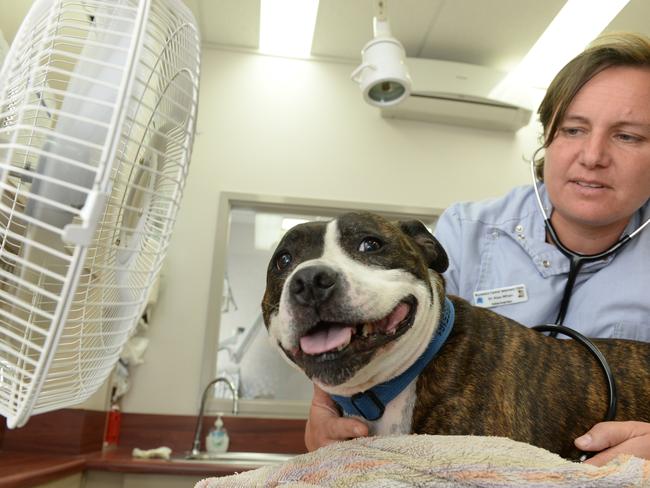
x=58, y=444
x=23, y=469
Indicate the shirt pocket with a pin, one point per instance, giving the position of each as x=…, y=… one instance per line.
x=504, y=263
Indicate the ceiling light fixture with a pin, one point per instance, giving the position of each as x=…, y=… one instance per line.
x=573, y=28
x=383, y=75
x=287, y=27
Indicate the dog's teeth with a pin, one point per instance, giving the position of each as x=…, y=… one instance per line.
x=367, y=329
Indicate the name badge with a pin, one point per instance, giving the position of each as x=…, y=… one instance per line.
x=500, y=296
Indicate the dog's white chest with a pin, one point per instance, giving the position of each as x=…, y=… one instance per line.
x=398, y=414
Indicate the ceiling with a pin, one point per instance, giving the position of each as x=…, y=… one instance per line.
x=493, y=33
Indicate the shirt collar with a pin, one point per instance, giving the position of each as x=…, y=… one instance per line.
x=533, y=238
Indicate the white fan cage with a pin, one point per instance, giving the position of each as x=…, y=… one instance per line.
x=98, y=105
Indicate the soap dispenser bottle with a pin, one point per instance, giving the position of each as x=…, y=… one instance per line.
x=217, y=439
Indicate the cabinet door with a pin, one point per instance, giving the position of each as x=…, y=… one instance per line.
x=73, y=481
x=101, y=479
x=159, y=481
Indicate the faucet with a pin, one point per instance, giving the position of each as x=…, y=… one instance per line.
x=196, y=445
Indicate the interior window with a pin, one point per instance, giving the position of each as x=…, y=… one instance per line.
x=245, y=354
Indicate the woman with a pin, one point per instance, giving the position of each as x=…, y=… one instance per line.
x=596, y=174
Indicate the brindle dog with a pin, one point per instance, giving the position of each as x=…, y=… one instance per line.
x=354, y=302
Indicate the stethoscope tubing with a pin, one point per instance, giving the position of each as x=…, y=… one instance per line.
x=576, y=260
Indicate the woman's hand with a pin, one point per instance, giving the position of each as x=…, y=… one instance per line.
x=325, y=425
x=614, y=438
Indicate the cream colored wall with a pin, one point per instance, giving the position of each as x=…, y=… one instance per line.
x=297, y=128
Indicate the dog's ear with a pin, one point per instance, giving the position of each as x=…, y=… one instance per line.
x=433, y=252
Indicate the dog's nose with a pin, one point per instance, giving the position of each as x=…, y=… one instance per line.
x=313, y=285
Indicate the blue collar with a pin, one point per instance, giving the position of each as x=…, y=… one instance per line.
x=370, y=404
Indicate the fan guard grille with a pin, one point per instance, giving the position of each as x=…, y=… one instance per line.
x=97, y=117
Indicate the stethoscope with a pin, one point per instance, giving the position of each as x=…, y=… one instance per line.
x=576, y=261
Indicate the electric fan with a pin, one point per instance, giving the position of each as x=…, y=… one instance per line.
x=98, y=107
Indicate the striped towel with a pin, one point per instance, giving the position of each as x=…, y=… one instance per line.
x=437, y=461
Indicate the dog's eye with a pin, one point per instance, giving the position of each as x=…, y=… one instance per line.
x=283, y=260
x=370, y=244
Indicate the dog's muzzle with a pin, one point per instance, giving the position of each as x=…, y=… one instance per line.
x=313, y=286
x=326, y=323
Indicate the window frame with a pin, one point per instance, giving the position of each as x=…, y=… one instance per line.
x=277, y=204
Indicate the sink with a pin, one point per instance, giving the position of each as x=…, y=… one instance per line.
x=237, y=458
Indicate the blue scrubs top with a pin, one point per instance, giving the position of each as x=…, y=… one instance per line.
x=501, y=244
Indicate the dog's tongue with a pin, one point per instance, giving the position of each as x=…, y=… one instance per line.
x=336, y=336
x=326, y=339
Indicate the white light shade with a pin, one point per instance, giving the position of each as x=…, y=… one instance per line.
x=287, y=27
x=383, y=76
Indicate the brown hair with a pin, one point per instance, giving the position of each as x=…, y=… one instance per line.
x=616, y=49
